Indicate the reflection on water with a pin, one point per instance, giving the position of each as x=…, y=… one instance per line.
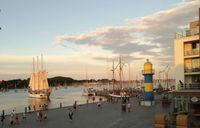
x=38, y=103
x=19, y=99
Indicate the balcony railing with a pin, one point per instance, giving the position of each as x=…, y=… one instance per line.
x=191, y=52
x=148, y=71
x=189, y=86
x=192, y=70
x=187, y=33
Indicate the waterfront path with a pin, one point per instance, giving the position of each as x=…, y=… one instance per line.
x=90, y=116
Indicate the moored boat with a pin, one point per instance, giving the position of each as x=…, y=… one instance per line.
x=89, y=92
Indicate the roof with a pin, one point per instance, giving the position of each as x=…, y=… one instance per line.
x=148, y=62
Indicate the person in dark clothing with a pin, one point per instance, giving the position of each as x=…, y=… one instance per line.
x=70, y=114
x=75, y=105
x=93, y=99
x=2, y=117
x=29, y=108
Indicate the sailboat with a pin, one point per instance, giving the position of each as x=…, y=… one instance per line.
x=38, y=85
x=121, y=92
x=88, y=91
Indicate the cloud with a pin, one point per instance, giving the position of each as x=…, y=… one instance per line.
x=126, y=58
x=144, y=35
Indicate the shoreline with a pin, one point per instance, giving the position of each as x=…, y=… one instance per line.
x=69, y=106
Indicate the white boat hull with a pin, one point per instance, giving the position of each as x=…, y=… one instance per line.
x=40, y=96
x=117, y=96
x=88, y=94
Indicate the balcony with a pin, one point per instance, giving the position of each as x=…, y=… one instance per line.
x=148, y=71
x=189, y=86
x=192, y=70
x=192, y=52
x=187, y=33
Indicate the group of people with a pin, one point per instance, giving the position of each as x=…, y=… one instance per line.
x=14, y=119
x=126, y=106
x=99, y=103
x=41, y=115
x=40, y=107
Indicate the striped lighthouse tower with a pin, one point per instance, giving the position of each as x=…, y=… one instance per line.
x=148, y=73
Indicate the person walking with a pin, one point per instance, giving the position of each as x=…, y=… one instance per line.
x=129, y=107
x=2, y=117
x=34, y=108
x=29, y=108
x=11, y=118
x=45, y=116
x=16, y=118
x=40, y=115
x=99, y=104
x=75, y=105
x=93, y=99
x=24, y=116
x=71, y=114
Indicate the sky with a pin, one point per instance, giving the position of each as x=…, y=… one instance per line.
x=77, y=36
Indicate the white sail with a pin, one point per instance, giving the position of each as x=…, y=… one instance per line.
x=38, y=85
x=31, y=82
x=45, y=81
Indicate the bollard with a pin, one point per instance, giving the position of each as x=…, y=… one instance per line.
x=25, y=109
x=60, y=105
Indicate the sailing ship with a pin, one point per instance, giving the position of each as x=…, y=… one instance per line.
x=119, y=93
x=38, y=85
x=88, y=91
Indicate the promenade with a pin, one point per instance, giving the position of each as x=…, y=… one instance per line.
x=90, y=116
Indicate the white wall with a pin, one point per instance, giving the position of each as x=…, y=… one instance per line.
x=179, y=57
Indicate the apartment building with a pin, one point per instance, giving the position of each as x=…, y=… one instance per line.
x=187, y=57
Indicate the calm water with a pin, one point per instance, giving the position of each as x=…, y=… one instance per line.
x=18, y=99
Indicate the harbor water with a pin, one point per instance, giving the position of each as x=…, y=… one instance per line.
x=18, y=99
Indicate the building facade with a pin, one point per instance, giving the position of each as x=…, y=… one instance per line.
x=187, y=57
x=186, y=96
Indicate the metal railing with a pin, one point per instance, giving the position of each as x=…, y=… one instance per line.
x=189, y=86
x=187, y=33
x=192, y=70
x=191, y=52
x=148, y=71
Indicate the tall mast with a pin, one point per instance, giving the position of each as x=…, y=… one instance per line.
x=86, y=77
x=129, y=74
x=120, y=71
x=37, y=63
x=33, y=65
x=113, y=75
x=199, y=30
x=41, y=62
x=136, y=80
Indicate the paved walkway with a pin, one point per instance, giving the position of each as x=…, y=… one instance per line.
x=90, y=116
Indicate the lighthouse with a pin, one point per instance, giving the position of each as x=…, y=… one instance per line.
x=148, y=73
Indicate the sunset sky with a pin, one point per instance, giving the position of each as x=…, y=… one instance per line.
x=79, y=35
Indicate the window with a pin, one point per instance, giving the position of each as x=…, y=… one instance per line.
x=194, y=45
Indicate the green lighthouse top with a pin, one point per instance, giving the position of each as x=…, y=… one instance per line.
x=148, y=62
